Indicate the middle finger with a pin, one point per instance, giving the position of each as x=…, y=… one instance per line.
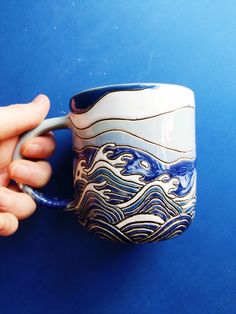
x=39, y=147
x=33, y=173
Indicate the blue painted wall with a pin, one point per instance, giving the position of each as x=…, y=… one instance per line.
x=60, y=47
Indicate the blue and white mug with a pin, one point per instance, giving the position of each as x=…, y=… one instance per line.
x=134, y=168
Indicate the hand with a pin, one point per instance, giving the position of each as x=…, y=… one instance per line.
x=14, y=120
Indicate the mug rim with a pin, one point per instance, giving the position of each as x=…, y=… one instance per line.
x=154, y=84
x=87, y=98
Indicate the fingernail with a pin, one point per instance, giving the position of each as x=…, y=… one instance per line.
x=40, y=99
x=5, y=198
x=20, y=171
x=32, y=149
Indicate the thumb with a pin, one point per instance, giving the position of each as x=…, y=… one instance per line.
x=16, y=119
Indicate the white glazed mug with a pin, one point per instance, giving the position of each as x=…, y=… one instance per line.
x=134, y=170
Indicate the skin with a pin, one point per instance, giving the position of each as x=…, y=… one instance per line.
x=15, y=120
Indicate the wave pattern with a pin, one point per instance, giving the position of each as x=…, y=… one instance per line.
x=128, y=195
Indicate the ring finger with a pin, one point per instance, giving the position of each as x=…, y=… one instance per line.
x=19, y=204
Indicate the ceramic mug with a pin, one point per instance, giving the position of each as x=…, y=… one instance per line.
x=134, y=167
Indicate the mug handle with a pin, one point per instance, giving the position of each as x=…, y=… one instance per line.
x=44, y=127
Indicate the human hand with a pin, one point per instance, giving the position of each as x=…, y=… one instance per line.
x=14, y=120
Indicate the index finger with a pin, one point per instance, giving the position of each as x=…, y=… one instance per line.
x=16, y=119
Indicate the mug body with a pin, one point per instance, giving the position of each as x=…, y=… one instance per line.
x=134, y=167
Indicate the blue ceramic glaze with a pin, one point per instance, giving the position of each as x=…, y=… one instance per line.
x=102, y=216
x=45, y=200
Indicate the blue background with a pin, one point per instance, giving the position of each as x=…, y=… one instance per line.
x=61, y=47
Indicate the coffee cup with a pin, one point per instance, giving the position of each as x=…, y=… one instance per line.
x=134, y=166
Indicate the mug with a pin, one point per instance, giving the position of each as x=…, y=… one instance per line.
x=134, y=166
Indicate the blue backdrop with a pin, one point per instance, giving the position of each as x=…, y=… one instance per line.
x=61, y=47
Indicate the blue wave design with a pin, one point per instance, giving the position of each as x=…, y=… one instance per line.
x=125, y=194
